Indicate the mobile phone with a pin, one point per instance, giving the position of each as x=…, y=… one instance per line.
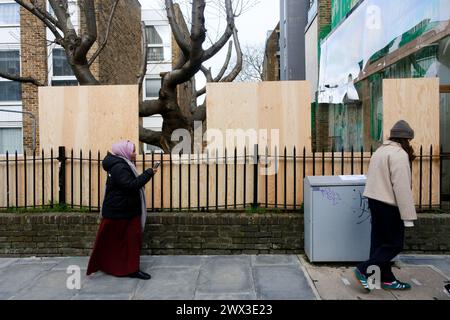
x=157, y=164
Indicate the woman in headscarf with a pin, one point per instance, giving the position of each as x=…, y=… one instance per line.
x=119, y=239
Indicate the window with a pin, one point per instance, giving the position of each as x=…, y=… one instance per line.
x=152, y=87
x=153, y=36
x=62, y=74
x=156, y=54
x=10, y=140
x=155, y=43
x=9, y=14
x=61, y=67
x=64, y=83
x=10, y=63
x=10, y=91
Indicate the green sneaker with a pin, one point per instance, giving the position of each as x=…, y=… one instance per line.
x=362, y=279
x=396, y=285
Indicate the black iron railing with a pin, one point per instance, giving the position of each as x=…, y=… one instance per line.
x=204, y=182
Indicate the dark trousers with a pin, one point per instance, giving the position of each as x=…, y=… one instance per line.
x=387, y=239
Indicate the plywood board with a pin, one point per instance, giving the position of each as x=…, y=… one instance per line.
x=417, y=102
x=284, y=106
x=88, y=117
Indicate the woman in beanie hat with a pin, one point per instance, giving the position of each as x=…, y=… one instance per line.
x=391, y=203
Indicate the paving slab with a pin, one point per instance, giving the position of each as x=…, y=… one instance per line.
x=339, y=283
x=225, y=274
x=269, y=260
x=168, y=284
x=282, y=283
x=52, y=285
x=442, y=263
x=176, y=261
x=226, y=296
x=102, y=283
x=426, y=283
x=4, y=262
x=64, y=263
x=112, y=296
x=18, y=276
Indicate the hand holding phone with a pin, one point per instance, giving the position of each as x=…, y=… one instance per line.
x=155, y=167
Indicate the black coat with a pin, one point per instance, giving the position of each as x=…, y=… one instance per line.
x=122, y=197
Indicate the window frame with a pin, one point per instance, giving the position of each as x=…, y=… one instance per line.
x=155, y=45
x=11, y=25
x=51, y=70
x=12, y=102
x=19, y=152
x=149, y=77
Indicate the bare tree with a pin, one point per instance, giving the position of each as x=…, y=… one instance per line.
x=189, y=63
x=253, y=65
x=76, y=45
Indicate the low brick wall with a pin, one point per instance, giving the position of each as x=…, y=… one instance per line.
x=61, y=234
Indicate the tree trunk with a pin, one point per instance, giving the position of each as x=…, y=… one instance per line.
x=84, y=75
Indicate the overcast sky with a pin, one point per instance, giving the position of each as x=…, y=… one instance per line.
x=252, y=25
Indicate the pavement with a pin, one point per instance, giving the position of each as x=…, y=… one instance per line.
x=243, y=277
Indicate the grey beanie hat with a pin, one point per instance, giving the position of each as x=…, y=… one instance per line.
x=402, y=130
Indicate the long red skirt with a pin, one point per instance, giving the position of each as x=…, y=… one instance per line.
x=117, y=248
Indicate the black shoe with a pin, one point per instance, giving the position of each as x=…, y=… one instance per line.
x=140, y=275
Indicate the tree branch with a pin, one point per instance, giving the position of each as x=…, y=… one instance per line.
x=60, y=7
x=150, y=137
x=21, y=79
x=149, y=108
x=108, y=29
x=88, y=40
x=144, y=62
x=43, y=17
x=238, y=67
x=199, y=113
x=216, y=47
x=198, y=35
x=176, y=30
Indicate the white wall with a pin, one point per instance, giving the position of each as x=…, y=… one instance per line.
x=312, y=58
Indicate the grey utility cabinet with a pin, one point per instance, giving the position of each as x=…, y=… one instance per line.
x=337, y=219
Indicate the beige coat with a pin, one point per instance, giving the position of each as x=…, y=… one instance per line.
x=389, y=179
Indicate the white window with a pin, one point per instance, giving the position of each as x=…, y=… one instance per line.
x=152, y=87
x=10, y=64
x=61, y=67
x=155, y=44
x=11, y=140
x=62, y=74
x=9, y=13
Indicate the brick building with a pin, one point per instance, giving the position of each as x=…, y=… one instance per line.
x=271, y=66
x=26, y=49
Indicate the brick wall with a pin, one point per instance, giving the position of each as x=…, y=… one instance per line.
x=33, y=64
x=120, y=61
x=322, y=140
x=62, y=234
x=271, y=61
x=324, y=15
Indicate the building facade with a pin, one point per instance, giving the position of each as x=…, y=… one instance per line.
x=293, y=20
x=271, y=65
x=352, y=45
x=26, y=49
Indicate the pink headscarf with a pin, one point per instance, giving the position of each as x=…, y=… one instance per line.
x=123, y=149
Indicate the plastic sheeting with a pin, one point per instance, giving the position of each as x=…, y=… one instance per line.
x=375, y=28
